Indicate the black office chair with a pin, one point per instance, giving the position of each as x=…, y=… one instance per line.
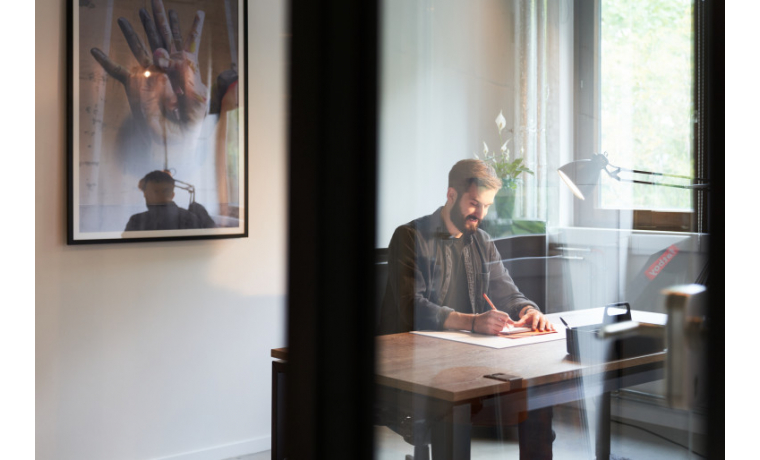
x=381, y=279
x=524, y=256
x=414, y=429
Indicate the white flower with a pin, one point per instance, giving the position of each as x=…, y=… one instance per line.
x=485, y=148
x=501, y=122
x=504, y=148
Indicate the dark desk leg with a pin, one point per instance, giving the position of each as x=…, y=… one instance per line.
x=603, y=427
x=450, y=437
x=278, y=410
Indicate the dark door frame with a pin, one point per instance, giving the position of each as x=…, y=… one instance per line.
x=332, y=187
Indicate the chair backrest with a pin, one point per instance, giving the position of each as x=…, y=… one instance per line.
x=524, y=256
x=381, y=280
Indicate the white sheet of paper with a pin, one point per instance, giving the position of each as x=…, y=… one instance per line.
x=496, y=341
x=574, y=318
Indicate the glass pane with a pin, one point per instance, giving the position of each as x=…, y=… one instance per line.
x=496, y=79
x=647, y=73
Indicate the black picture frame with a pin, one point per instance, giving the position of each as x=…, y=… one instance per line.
x=157, y=120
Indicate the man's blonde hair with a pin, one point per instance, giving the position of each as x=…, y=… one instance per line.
x=465, y=173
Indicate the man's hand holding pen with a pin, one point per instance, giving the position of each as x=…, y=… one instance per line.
x=491, y=322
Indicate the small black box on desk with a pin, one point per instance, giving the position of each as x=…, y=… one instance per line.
x=618, y=337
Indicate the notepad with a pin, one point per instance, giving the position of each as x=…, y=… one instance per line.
x=514, y=330
x=528, y=333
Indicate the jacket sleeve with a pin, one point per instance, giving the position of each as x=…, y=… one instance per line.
x=410, y=283
x=502, y=289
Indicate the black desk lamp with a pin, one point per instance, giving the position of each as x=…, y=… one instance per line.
x=585, y=174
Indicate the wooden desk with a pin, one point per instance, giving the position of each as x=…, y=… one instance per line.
x=448, y=378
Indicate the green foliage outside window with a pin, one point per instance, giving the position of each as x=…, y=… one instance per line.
x=646, y=98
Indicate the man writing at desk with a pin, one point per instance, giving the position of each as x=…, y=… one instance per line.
x=439, y=267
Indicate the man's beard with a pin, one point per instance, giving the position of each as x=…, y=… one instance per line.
x=467, y=225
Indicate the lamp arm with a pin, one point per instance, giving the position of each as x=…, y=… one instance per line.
x=638, y=171
x=615, y=175
x=667, y=175
x=185, y=186
x=689, y=187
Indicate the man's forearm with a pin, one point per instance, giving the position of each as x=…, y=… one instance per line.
x=459, y=321
x=490, y=322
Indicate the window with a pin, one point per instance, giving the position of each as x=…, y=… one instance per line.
x=647, y=119
x=639, y=66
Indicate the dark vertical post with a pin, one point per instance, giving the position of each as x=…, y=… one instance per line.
x=603, y=431
x=715, y=141
x=451, y=435
x=332, y=145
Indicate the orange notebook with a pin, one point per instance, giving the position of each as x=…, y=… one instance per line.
x=528, y=333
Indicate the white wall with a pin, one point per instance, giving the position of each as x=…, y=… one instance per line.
x=447, y=71
x=159, y=350
x=448, y=68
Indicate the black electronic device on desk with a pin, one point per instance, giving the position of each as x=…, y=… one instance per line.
x=617, y=337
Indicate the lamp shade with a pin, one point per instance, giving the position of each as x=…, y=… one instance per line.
x=582, y=174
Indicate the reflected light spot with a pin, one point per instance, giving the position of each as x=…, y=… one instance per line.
x=147, y=73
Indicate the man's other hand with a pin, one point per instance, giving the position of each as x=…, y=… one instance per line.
x=535, y=320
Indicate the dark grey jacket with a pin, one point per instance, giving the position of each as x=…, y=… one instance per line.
x=170, y=217
x=419, y=276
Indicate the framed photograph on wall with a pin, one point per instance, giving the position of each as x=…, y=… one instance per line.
x=157, y=120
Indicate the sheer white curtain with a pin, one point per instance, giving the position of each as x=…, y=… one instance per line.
x=536, y=110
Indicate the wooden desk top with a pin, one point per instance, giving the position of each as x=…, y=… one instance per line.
x=454, y=371
x=280, y=353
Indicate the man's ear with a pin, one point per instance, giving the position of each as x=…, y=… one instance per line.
x=451, y=196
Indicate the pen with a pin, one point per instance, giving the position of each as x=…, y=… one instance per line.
x=564, y=322
x=489, y=301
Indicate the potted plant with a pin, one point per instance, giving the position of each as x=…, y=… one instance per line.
x=509, y=172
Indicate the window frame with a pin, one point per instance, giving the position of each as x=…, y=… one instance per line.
x=587, y=129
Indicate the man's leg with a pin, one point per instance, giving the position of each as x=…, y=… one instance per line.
x=536, y=435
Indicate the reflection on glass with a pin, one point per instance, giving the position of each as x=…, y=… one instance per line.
x=451, y=381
